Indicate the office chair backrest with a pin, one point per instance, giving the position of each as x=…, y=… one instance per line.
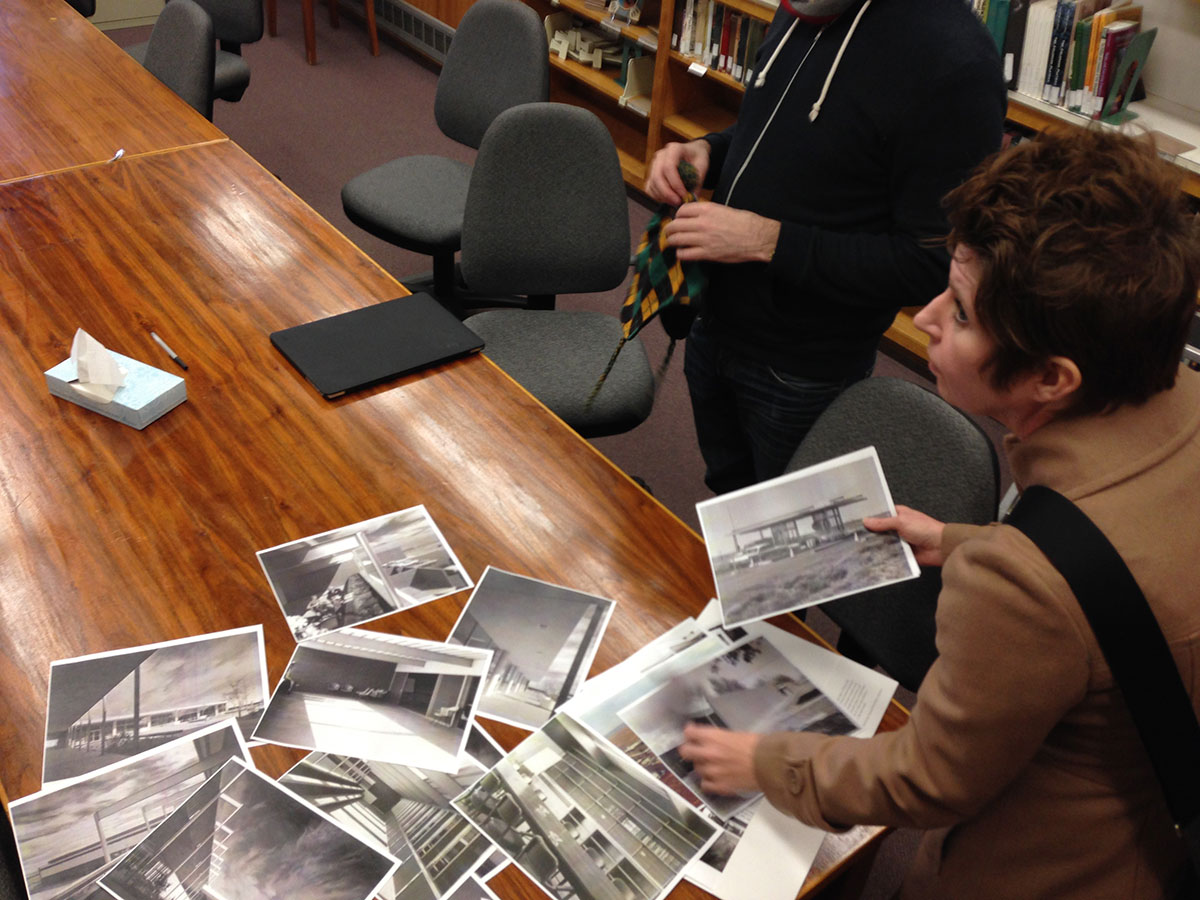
x=235, y=21
x=86, y=8
x=936, y=460
x=497, y=59
x=546, y=211
x=182, y=53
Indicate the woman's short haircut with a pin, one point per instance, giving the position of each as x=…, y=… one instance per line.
x=1087, y=250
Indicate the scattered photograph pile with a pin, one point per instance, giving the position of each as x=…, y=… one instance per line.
x=798, y=540
x=149, y=789
x=361, y=572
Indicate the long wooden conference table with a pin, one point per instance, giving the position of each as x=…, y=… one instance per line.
x=112, y=537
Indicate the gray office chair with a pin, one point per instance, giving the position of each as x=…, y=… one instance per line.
x=235, y=22
x=497, y=59
x=936, y=460
x=546, y=213
x=181, y=53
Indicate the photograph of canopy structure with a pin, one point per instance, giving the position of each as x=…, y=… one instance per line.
x=582, y=821
x=68, y=837
x=361, y=572
x=377, y=696
x=544, y=639
x=403, y=810
x=109, y=706
x=751, y=687
x=798, y=540
x=242, y=836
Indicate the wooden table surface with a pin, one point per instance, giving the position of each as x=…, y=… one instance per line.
x=69, y=96
x=111, y=537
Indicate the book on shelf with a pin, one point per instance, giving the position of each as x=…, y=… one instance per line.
x=1131, y=12
x=1077, y=51
x=1036, y=50
x=1115, y=39
x=1014, y=41
x=1064, y=13
x=997, y=21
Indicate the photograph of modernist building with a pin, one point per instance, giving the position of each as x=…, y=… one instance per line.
x=798, y=539
x=69, y=836
x=403, y=810
x=582, y=821
x=360, y=572
x=108, y=706
x=544, y=638
x=377, y=696
x=242, y=836
x=752, y=687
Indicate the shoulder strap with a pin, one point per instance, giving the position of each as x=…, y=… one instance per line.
x=1131, y=641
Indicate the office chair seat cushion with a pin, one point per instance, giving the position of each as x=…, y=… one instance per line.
x=232, y=77
x=415, y=202
x=232, y=74
x=557, y=355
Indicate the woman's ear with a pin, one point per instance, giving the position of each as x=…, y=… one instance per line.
x=1059, y=380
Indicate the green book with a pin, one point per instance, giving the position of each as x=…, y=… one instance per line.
x=1083, y=33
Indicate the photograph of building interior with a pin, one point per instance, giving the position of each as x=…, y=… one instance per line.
x=584, y=822
x=108, y=707
x=68, y=837
x=404, y=810
x=243, y=837
x=360, y=572
x=377, y=696
x=544, y=638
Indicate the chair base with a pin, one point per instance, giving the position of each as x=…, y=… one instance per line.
x=310, y=27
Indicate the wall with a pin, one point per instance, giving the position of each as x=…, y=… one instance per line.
x=125, y=13
x=1173, y=70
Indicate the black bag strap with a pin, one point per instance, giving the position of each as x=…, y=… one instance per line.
x=1132, y=643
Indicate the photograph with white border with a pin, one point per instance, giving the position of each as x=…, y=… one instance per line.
x=544, y=638
x=798, y=540
x=70, y=835
x=474, y=889
x=404, y=811
x=583, y=821
x=242, y=836
x=377, y=696
x=751, y=687
x=105, y=707
x=361, y=572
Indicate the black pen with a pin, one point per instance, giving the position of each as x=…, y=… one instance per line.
x=170, y=352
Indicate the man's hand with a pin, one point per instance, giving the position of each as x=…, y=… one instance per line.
x=923, y=532
x=663, y=182
x=718, y=233
x=724, y=760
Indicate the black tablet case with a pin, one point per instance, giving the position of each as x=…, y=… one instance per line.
x=366, y=346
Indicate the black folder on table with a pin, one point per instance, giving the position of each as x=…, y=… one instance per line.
x=385, y=340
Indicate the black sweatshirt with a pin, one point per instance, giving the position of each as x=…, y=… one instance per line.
x=916, y=102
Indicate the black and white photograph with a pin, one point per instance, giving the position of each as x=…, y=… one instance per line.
x=109, y=706
x=543, y=637
x=751, y=687
x=473, y=889
x=377, y=696
x=798, y=540
x=403, y=810
x=582, y=821
x=69, y=836
x=361, y=572
x=242, y=836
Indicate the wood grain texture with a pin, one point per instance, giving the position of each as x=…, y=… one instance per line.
x=111, y=538
x=69, y=96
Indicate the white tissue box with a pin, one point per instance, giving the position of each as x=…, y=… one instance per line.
x=147, y=393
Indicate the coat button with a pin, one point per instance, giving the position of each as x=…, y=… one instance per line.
x=795, y=780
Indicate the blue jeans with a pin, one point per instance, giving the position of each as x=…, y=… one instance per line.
x=750, y=417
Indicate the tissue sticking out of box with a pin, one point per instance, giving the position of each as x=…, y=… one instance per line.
x=96, y=369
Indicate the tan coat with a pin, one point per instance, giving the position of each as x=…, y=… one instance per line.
x=1020, y=756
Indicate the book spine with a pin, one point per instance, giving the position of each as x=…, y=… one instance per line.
x=1114, y=47
x=1056, y=49
x=723, y=55
x=1014, y=40
x=1083, y=30
x=716, y=16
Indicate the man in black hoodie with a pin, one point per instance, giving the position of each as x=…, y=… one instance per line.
x=826, y=215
